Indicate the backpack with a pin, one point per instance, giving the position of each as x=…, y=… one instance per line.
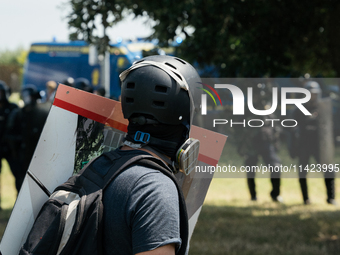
x=70, y=221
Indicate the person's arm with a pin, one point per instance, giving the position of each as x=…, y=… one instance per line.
x=153, y=214
x=163, y=250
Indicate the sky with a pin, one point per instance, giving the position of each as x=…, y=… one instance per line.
x=23, y=22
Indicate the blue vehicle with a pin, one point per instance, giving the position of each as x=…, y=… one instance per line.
x=59, y=61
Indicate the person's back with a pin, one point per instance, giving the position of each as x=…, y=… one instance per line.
x=141, y=206
x=135, y=202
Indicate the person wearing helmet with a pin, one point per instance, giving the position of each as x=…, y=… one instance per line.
x=306, y=140
x=83, y=84
x=25, y=126
x=261, y=142
x=68, y=82
x=100, y=92
x=141, y=206
x=5, y=110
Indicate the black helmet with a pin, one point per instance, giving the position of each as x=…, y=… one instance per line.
x=69, y=82
x=30, y=94
x=4, y=89
x=82, y=84
x=313, y=87
x=32, y=91
x=162, y=89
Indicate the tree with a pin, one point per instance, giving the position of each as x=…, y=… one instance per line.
x=248, y=38
x=11, y=67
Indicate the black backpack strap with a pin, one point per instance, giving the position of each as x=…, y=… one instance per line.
x=105, y=168
x=120, y=165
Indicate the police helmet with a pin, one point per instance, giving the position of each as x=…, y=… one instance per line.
x=160, y=88
x=313, y=87
x=32, y=91
x=30, y=94
x=69, y=82
x=82, y=84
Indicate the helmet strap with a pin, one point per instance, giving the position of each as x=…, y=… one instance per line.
x=141, y=139
x=161, y=155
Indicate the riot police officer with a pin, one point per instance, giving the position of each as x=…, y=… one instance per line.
x=83, y=84
x=306, y=142
x=262, y=142
x=5, y=110
x=25, y=127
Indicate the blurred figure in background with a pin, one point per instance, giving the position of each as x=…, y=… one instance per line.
x=51, y=87
x=68, y=82
x=261, y=142
x=306, y=142
x=47, y=95
x=25, y=126
x=83, y=84
x=100, y=92
x=5, y=110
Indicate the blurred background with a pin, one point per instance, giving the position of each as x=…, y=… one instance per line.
x=86, y=44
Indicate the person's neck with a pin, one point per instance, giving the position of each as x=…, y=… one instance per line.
x=125, y=147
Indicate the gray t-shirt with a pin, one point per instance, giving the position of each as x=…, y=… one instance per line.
x=141, y=212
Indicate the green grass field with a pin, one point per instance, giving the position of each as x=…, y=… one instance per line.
x=8, y=195
x=231, y=224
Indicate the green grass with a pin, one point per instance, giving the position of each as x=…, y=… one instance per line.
x=8, y=195
x=231, y=224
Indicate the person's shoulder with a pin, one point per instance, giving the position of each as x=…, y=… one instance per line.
x=15, y=112
x=140, y=174
x=12, y=106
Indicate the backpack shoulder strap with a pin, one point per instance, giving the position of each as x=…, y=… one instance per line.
x=103, y=169
x=120, y=165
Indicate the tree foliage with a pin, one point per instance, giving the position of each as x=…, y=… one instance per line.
x=249, y=38
x=11, y=67
x=13, y=57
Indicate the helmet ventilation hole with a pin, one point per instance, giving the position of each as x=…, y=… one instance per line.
x=168, y=64
x=130, y=85
x=129, y=100
x=158, y=103
x=161, y=89
x=180, y=60
x=178, y=76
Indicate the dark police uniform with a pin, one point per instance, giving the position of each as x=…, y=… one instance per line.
x=25, y=126
x=263, y=142
x=307, y=146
